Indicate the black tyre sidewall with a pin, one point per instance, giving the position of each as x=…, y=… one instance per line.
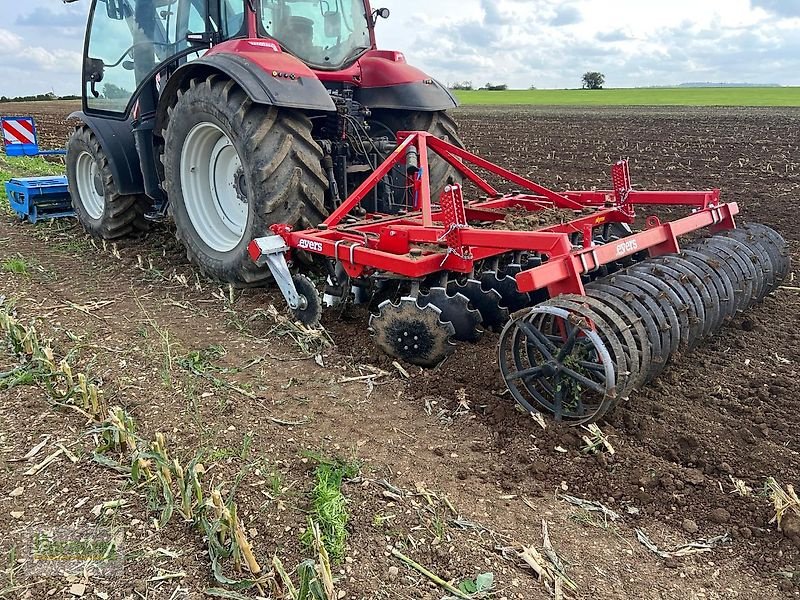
x=214, y=261
x=82, y=141
x=438, y=123
x=122, y=215
x=281, y=164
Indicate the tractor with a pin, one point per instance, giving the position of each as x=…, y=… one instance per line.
x=231, y=116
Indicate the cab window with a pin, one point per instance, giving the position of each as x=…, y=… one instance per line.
x=128, y=39
x=322, y=33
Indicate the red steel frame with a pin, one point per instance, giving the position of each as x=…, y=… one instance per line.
x=436, y=238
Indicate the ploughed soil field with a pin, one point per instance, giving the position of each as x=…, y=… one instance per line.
x=442, y=469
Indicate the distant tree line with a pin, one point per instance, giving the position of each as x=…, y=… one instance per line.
x=467, y=86
x=592, y=80
x=49, y=97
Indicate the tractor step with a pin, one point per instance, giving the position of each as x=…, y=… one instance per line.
x=36, y=198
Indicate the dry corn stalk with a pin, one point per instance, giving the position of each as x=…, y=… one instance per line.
x=549, y=567
x=66, y=370
x=49, y=360
x=122, y=429
x=19, y=336
x=245, y=547
x=596, y=441
x=230, y=528
x=194, y=474
x=740, y=487
x=119, y=434
x=90, y=396
x=784, y=501
x=140, y=470
x=278, y=568
x=310, y=340
x=30, y=342
x=186, y=501
x=159, y=446
x=189, y=488
x=221, y=515
x=25, y=342
x=323, y=568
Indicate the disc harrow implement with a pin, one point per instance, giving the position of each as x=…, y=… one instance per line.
x=588, y=310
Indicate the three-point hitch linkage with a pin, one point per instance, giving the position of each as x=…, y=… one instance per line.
x=588, y=310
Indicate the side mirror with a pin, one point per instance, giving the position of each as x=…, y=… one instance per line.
x=380, y=13
x=333, y=24
x=94, y=69
x=115, y=10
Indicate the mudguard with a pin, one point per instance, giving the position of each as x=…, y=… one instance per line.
x=386, y=80
x=428, y=95
x=267, y=76
x=117, y=141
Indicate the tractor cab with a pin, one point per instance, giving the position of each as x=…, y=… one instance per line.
x=130, y=42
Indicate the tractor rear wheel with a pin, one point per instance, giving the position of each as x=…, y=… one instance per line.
x=233, y=168
x=100, y=208
x=440, y=124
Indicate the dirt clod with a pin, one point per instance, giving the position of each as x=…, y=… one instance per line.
x=690, y=526
x=720, y=516
x=791, y=528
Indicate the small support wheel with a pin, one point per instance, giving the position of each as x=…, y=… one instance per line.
x=309, y=309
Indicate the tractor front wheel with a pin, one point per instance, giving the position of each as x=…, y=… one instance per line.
x=100, y=208
x=232, y=169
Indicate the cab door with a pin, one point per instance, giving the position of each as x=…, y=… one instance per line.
x=128, y=42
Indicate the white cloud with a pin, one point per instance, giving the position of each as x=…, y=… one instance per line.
x=550, y=43
x=10, y=43
x=547, y=43
x=62, y=62
x=26, y=69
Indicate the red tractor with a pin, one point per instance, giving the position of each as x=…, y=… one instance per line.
x=229, y=116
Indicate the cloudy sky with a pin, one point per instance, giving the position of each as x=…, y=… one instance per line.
x=546, y=43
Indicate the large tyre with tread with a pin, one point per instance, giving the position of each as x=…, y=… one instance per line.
x=232, y=169
x=100, y=208
x=440, y=124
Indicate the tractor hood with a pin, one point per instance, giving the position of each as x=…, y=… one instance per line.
x=386, y=80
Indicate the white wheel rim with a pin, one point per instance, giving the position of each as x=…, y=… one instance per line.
x=86, y=172
x=212, y=181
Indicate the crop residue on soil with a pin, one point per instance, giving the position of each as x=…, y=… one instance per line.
x=692, y=452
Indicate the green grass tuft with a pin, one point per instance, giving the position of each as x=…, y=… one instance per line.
x=18, y=266
x=329, y=506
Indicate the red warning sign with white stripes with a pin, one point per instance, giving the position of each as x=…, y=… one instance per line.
x=19, y=130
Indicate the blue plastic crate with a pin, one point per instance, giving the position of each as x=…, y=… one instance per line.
x=35, y=198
